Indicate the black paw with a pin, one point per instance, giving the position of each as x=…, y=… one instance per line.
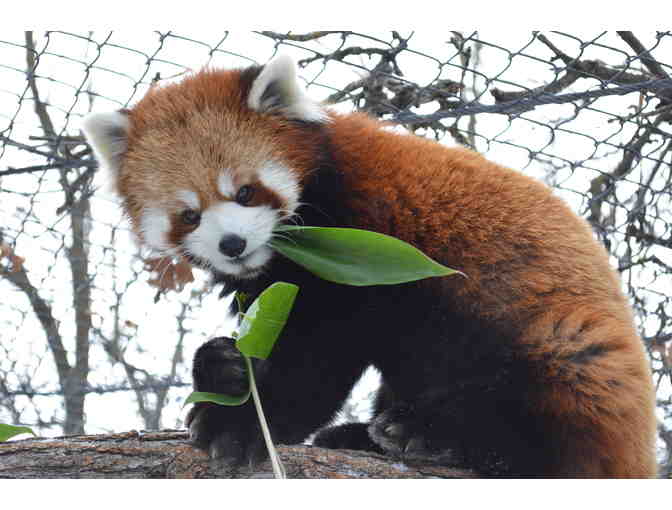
x=220, y=368
x=230, y=434
x=401, y=432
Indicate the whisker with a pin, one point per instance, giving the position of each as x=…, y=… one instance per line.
x=281, y=235
x=323, y=213
x=291, y=216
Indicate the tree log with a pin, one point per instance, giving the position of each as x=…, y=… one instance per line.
x=168, y=454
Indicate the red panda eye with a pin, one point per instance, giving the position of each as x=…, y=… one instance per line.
x=191, y=217
x=245, y=194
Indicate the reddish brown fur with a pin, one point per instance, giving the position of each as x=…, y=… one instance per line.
x=533, y=263
x=564, y=289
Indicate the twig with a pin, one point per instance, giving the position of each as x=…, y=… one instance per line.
x=648, y=238
x=53, y=166
x=31, y=149
x=40, y=108
x=558, y=53
x=341, y=54
x=289, y=36
x=643, y=54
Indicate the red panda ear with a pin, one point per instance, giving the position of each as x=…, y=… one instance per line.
x=277, y=90
x=107, y=133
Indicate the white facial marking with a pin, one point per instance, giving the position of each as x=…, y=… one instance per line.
x=225, y=184
x=282, y=181
x=253, y=224
x=154, y=227
x=189, y=198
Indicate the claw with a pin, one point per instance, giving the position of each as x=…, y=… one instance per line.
x=395, y=430
x=416, y=445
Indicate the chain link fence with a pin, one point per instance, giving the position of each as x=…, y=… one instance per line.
x=589, y=113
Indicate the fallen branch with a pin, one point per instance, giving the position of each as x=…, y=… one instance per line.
x=168, y=454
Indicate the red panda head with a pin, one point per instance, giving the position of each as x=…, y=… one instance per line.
x=207, y=167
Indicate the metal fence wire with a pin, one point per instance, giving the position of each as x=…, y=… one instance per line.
x=589, y=113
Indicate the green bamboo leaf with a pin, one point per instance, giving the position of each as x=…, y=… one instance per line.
x=356, y=257
x=216, y=398
x=9, y=431
x=264, y=319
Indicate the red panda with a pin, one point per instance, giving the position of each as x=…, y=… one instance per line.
x=529, y=367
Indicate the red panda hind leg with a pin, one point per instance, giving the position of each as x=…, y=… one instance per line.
x=573, y=399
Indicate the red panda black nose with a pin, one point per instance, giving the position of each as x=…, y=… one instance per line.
x=232, y=245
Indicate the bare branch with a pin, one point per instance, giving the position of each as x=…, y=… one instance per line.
x=44, y=314
x=529, y=102
x=580, y=69
x=40, y=107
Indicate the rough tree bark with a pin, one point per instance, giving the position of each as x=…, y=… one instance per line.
x=168, y=454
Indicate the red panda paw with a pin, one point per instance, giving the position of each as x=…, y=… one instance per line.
x=219, y=368
x=232, y=439
x=230, y=435
x=400, y=432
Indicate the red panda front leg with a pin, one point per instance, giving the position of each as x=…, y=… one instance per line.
x=230, y=434
x=294, y=406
